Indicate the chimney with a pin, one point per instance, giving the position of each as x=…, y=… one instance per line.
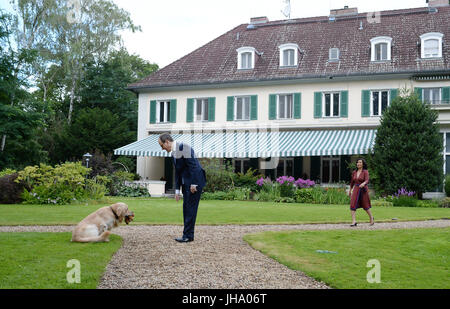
x=346, y=11
x=259, y=20
x=438, y=3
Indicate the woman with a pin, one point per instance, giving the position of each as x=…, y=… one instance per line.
x=359, y=193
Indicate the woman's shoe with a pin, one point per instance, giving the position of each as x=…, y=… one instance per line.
x=355, y=224
x=373, y=221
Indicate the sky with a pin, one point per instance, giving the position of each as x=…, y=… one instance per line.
x=173, y=28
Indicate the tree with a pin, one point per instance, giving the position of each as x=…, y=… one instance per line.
x=408, y=146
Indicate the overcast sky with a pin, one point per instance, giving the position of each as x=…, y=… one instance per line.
x=173, y=28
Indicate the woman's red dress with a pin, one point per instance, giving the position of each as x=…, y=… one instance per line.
x=360, y=198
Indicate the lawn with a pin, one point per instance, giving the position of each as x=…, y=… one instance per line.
x=168, y=211
x=409, y=259
x=39, y=260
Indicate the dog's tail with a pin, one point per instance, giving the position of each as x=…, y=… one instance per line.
x=102, y=238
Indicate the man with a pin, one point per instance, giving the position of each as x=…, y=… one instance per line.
x=190, y=176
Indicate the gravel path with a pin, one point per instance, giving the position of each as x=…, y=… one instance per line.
x=217, y=259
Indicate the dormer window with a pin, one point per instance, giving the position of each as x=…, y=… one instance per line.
x=431, y=45
x=381, y=48
x=246, y=58
x=288, y=55
x=334, y=54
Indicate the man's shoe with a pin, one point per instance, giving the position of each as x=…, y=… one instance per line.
x=184, y=239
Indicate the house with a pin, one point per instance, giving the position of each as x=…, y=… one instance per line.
x=300, y=97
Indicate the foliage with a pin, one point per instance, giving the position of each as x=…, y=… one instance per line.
x=132, y=191
x=247, y=179
x=219, y=175
x=407, y=151
x=62, y=184
x=7, y=171
x=304, y=196
x=445, y=203
x=240, y=194
x=447, y=185
x=287, y=186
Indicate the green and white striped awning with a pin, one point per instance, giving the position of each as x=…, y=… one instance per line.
x=261, y=144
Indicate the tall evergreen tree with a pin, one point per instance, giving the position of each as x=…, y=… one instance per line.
x=408, y=146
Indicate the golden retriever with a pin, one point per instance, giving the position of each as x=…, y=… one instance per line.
x=96, y=227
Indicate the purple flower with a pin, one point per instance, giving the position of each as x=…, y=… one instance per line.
x=404, y=192
x=302, y=183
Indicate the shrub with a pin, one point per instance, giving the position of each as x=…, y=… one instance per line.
x=287, y=187
x=381, y=202
x=336, y=196
x=219, y=176
x=10, y=191
x=405, y=201
x=117, y=181
x=7, y=171
x=247, y=180
x=132, y=191
x=445, y=203
x=304, y=196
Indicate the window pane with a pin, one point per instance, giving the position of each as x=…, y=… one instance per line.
x=246, y=108
x=289, y=167
x=291, y=57
x=238, y=166
x=381, y=51
x=239, y=109
x=431, y=48
x=289, y=106
x=384, y=101
x=280, y=168
x=325, y=171
x=436, y=96
x=198, y=110
x=205, y=109
x=335, y=171
x=246, y=166
x=246, y=60
x=427, y=95
x=282, y=106
x=447, y=147
x=327, y=104
x=375, y=102
x=447, y=165
x=335, y=104
x=161, y=111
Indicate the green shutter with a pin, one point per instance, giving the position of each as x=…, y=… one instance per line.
x=152, y=111
x=211, y=109
x=365, y=103
x=344, y=104
x=190, y=110
x=173, y=111
x=272, y=106
x=317, y=104
x=297, y=105
x=230, y=108
x=393, y=94
x=254, y=107
x=445, y=95
x=419, y=91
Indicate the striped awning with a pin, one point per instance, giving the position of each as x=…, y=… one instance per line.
x=261, y=144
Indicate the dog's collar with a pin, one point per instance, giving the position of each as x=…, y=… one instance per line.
x=115, y=215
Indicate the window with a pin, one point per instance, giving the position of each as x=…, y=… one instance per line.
x=241, y=165
x=432, y=95
x=330, y=169
x=381, y=48
x=334, y=54
x=242, y=108
x=201, y=110
x=380, y=101
x=431, y=45
x=331, y=104
x=246, y=58
x=288, y=55
x=163, y=111
x=285, y=167
x=285, y=106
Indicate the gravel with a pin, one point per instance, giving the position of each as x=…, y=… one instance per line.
x=150, y=258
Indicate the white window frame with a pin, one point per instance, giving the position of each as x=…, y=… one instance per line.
x=245, y=100
x=331, y=93
x=330, y=158
x=285, y=167
x=439, y=96
x=242, y=51
x=285, y=106
x=289, y=46
x=330, y=54
x=166, y=111
x=431, y=36
x=378, y=40
x=379, y=101
x=204, y=112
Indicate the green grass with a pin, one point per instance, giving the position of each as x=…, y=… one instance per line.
x=39, y=260
x=410, y=258
x=168, y=211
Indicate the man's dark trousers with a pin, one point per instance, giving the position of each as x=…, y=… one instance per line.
x=190, y=207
